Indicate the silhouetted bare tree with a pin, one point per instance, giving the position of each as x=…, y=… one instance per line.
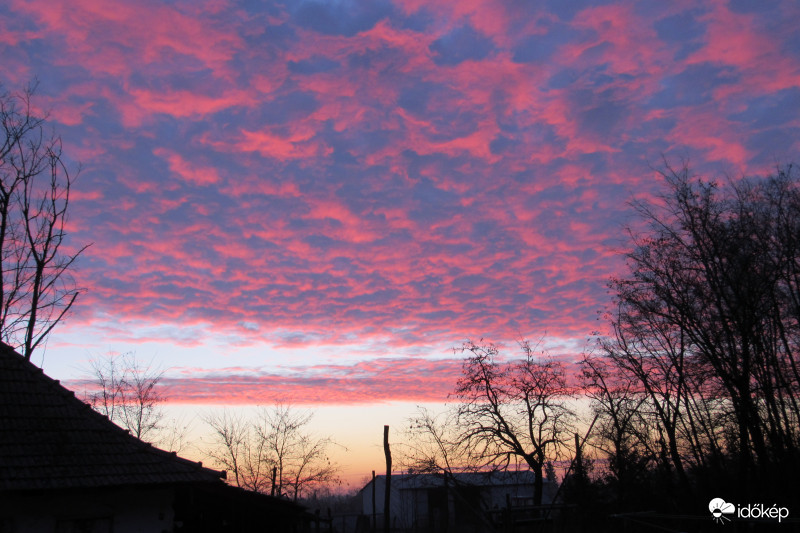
x=301, y=459
x=36, y=288
x=622, y=429
x=707, y=323
x=277, y=442
x=127, y=392
x=130, y=394
x=238, y=450
x=432, y=444
x=516, y=409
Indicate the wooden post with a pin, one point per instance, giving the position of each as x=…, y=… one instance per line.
x=388, y=487
x=374, y=514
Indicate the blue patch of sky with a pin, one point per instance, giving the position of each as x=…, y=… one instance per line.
x=340, y=263
x=495, y=238
x=382, y=60
x=693, y=86
x=357, y=142
x=449, y=126
x=378, y=297
x=286, y=108
x=472, y=281
x=563, y=78
x=598, y=112
x=274, y=9
x=654, y=128
x=340, y=17
x=541, y=47
x=592, y=77
x=138, y=159
x=774, y=145
x=223, y=285
x=537, y=133
x=503, y=144
x=508, y=122
x=753, y=6
x=421, y=100
x=434, y=248
x=313, y=65
x=595, y=53
x=341, y=156
x=262, y=37
x=342, y=146
x=421, y=20
x=566, y=11
x=415, y=98
x=790, y=45
x=603, y=119
x=416, y=163
x=772, y=110
x=432, y=204
x=459, y=45
x=360, y=316
x=438, y=316
x=597, y=164
x=490, y=233
x=685, y=31
x=425, y=284
x=529, y=315
x=525, y=176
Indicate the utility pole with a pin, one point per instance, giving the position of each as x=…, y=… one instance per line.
x=388, y=488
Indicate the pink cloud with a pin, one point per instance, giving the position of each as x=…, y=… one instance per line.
x=367, y=382
x=341, y=177
x=296, y=144
x=376, y=381
x=186, y=103
x=89, y=27
x=188, y=171
x=737, y=40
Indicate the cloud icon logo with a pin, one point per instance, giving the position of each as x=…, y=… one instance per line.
x=719, y=508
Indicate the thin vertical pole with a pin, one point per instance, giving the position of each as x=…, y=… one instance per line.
x=388, y=488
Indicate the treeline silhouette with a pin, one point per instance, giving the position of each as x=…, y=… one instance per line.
x=696, y=389
x=693, y=391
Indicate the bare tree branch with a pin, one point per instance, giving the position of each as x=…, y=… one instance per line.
x=36, y=288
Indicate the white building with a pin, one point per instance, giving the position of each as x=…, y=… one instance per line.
x=456, y=501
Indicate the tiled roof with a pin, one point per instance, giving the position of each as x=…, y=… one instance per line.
x=49, y=439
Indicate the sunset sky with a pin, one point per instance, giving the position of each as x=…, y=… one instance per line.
x=316, y=201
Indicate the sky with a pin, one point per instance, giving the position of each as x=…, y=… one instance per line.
x=316, y=201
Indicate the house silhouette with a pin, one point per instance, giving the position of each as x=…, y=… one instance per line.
x=66, y=468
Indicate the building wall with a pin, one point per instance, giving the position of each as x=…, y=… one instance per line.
x=107, y=511
x=427, y=508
